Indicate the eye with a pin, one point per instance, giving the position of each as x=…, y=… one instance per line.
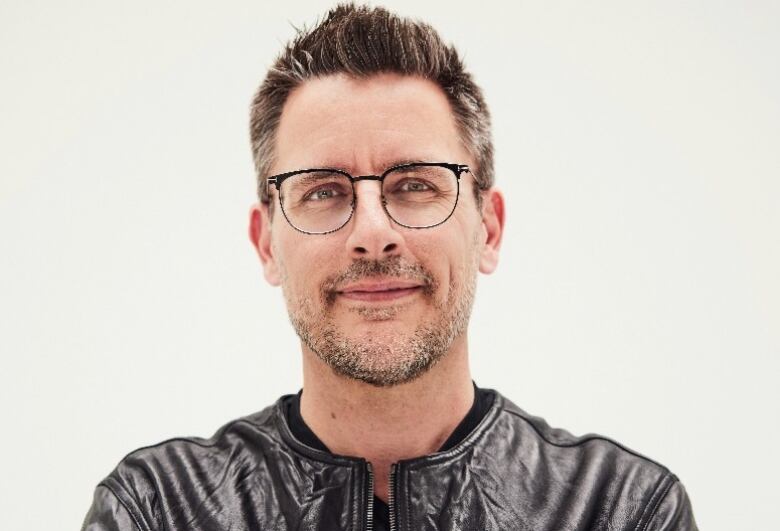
x=414, y=185
x=323, y=193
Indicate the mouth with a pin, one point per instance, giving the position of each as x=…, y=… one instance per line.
x=379, y=291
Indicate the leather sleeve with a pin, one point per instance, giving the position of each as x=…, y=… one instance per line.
x=674, y=513
x=107, y=513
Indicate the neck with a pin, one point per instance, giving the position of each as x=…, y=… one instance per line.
x=387, y=424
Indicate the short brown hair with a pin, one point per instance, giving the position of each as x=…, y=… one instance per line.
x=361, y=41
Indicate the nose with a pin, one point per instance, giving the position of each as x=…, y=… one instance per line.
x=373, y=234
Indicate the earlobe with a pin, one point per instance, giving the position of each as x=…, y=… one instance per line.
x=260, y=236
x=493, y=225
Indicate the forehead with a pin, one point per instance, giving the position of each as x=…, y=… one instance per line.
x=357, y=123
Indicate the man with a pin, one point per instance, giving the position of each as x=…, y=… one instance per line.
x=377, y=209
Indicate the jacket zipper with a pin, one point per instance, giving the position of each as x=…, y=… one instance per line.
x=370, y=499
x=391, y=499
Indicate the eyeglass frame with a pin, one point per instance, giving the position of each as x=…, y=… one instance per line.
x=456, y=169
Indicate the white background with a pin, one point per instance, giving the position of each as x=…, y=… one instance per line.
x=638, y=293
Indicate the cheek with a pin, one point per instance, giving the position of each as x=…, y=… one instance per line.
x=304, y=263
x=464, y=253
x=464, y=232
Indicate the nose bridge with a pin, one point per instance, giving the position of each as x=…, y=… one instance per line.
x=373, y=234
x=368, y=198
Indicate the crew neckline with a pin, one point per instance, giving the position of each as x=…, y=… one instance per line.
x=291, y=407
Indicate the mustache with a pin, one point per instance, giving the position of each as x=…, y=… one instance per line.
x=393, y=266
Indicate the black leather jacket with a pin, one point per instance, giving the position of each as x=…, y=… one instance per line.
x=513, y=472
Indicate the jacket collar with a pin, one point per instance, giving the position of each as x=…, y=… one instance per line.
x=472, y=439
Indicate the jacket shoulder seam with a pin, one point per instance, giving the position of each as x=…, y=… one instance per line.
x=138, y=519
x=116, y=477
x=585, y=439
x=660, y=494
x=194, y=440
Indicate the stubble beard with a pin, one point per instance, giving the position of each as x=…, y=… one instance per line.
x=383, y=360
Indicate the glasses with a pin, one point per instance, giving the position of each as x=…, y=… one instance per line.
x=419, y=195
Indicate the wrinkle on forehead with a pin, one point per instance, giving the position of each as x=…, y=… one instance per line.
x=378, y=165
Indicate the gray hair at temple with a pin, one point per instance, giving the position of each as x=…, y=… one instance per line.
x=361, y=41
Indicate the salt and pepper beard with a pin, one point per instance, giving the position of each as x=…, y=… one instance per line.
x=383, y=360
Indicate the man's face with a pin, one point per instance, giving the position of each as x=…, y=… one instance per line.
x=377, y=301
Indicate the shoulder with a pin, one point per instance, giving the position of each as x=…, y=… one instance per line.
x=588, y=467
x=146, y=479
x=591, y=447
x=536, y=429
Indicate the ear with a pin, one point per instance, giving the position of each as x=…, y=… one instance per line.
x=493, y=224
x=260, y=235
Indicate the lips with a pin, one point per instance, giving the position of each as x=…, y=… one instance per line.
x=378, y=290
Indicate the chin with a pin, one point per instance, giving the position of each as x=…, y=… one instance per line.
x=374, y=314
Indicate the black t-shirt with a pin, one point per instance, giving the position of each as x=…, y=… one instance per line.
x=483, y=399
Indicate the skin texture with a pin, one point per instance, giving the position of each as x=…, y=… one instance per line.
x=410, y=383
